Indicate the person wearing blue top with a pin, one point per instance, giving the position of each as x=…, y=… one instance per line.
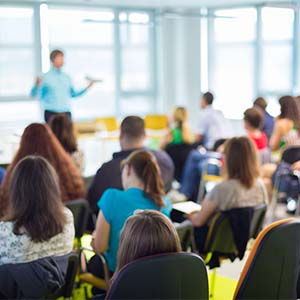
x=55, y=88
x=143, y=189
x=268, y=122
x=2, y=174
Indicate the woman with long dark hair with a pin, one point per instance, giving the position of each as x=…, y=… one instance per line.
x=62, y=127
x=37, y=224
x=287, y=125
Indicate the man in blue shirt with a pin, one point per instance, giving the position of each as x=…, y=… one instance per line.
x=55, y=88
x=268, y=123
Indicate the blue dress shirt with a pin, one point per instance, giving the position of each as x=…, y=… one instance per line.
x=55, y=91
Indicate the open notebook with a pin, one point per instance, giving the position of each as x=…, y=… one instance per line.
x=187, y=207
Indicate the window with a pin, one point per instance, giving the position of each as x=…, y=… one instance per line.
x=87, y=39
x=276, y=68
x=232, y=60
x=277, y=47
x=136, y=50
x=17, y=68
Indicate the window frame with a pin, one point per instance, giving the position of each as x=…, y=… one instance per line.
x=151, y=92
x=258, y=48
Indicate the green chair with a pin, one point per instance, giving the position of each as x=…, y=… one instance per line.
x=186, y=235
x=220, y=243
x=80, y=210
x=272, y=268
x=165, y=276
x=219, y=240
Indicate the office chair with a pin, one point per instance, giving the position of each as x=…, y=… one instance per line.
x=165, y=276
x=272, y=268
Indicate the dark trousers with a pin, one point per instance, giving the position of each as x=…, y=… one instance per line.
x=192, y=172
x=200, y=235
x=48, y=114
x=95, y=266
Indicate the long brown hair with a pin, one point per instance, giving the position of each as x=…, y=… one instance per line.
x=289, y=110
x=147, y=170
x=62, y=127
x=147, y=232
x=180, y=116
x=38, y=139
x=241, y=161
x=35, y=199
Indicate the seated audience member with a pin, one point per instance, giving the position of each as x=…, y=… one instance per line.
x=146, y=233
x=143, y=189
x=212, y=123
x=287, y=125
x=286, y=133
x=241, y=188
x=62, y=127
x=268, y=120
x=132, y=137
x=38, y=139
x=2, y=174
x=192, y=171
x=252, y=123
x=179, y=131
x=37, y=224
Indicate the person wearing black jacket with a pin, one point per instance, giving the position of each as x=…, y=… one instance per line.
x=132, y=137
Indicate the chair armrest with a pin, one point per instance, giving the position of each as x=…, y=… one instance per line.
x=93, y=280
x=84, y=274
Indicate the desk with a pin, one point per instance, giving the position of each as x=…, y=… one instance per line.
x=97, y=148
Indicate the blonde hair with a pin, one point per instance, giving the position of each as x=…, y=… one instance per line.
x=147, y=170
x=180, y=115
x=241, y=161
x=147, y=232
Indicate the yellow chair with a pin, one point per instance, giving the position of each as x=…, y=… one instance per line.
x=84, y=128
x=156, y=122
x=107, y=123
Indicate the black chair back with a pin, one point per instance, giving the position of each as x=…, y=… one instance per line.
x=80, y=209
x=220, y=236
x=165, y=276
x=291, y=154
x=179, y=154
x=228, y=235
x=67, y=289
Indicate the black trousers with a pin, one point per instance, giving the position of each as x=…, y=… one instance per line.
x=95, y=267
x=48, y=114
x=200, y=235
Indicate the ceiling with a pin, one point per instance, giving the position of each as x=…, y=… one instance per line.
x=163, y=3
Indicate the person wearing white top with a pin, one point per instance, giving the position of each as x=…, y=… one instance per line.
x=37, y=225
x=212, y=123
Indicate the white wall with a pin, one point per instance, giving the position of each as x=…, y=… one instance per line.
x=179, y=53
